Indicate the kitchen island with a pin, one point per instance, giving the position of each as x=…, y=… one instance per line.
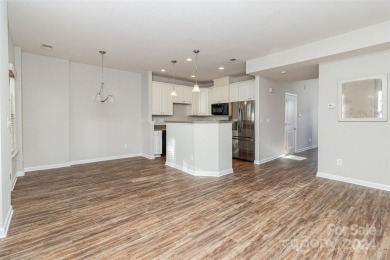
x=200, y=148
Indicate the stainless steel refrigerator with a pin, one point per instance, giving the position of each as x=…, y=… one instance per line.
x=243, y=116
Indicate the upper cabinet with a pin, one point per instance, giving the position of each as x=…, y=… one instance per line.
x=184, y=95
x=162, y=103
x=220, y=94
x=200, y=104
x=242, y=91
x=233, y=92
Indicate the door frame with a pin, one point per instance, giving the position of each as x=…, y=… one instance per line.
x=295, y=121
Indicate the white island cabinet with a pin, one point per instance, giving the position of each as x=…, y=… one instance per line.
x=201, y=148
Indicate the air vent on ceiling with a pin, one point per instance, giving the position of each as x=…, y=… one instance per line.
x=46, y=46
x=230, y=60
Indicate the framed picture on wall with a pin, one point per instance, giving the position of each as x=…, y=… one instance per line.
x=363, y=99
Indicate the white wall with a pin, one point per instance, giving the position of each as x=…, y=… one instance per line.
x=364, y=147
x=5, y=151
x=147, y=125
x=363, y=40
x=61, y=122
x=270, y=110
x=99, y=130
x=271, y=120
x=45, y=110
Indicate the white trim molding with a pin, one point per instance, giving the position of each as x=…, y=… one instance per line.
x=4, y=229
x=354, y=181
x=306, y=148
x=268, y=159
x=105, y=159
x=199, y=173
x=62, y=165
x=151, y=157
x=19, y=174
x=14, y=182
x=46, y=167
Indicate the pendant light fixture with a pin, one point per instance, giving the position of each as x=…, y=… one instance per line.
x=196, y=87
x=100, y=95
x=173, y=93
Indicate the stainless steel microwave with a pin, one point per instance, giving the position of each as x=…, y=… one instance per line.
x=220, y=109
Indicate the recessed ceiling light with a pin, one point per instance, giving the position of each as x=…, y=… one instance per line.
x=192, y=76
x=189, y=59
x=221, y=68
x=283, y=72
x=163, y=70
x=46, y=46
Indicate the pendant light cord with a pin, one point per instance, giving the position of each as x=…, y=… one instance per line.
x=173, y=73
x=196, y=68
x=102, y=69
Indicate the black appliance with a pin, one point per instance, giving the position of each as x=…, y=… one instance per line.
x=220, y=109
x=164, y=143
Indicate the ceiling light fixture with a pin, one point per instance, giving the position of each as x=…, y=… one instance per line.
x=192, y=76
x=221, y=68
x=100, y=95
x=163, y=70
x=189, y=59
x=196, y=87
x=173, y=93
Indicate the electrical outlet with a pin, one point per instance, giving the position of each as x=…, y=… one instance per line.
x=125, y=146
x=339, y=162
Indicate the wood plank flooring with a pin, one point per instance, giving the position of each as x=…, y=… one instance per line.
x=140, y=209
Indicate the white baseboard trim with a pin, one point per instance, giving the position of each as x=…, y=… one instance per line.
x=19, y=174
x=354, y=181
x=46, y=167
x=7, y=222
x=213, y=174
x=61, y=165
x=14, y=183
x=102, y=159
x=306, y=148
x=199, y=173
x=268, y=159
x=147, y=156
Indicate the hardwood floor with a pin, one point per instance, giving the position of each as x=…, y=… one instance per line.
x=141, y=209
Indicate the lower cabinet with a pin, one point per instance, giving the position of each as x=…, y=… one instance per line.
x=158, y=142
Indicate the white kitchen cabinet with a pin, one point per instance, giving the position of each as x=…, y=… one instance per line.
x=158, y=142
x=200, y=104
x=234, y=92
x=242, y=91
x=162, y=103
x=204, y=107
x=184, y=95
x=220, y=94
x=246, y=90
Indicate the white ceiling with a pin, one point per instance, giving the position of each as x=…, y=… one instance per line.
x=147, y=35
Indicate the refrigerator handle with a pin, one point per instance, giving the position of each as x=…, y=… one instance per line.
x=242, y=117
x=239, y=119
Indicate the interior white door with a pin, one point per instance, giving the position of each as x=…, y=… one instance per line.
x=290, y=123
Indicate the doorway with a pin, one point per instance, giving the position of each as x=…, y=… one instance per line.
x=290, y=123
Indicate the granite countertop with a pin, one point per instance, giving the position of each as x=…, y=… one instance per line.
x=200, y=122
